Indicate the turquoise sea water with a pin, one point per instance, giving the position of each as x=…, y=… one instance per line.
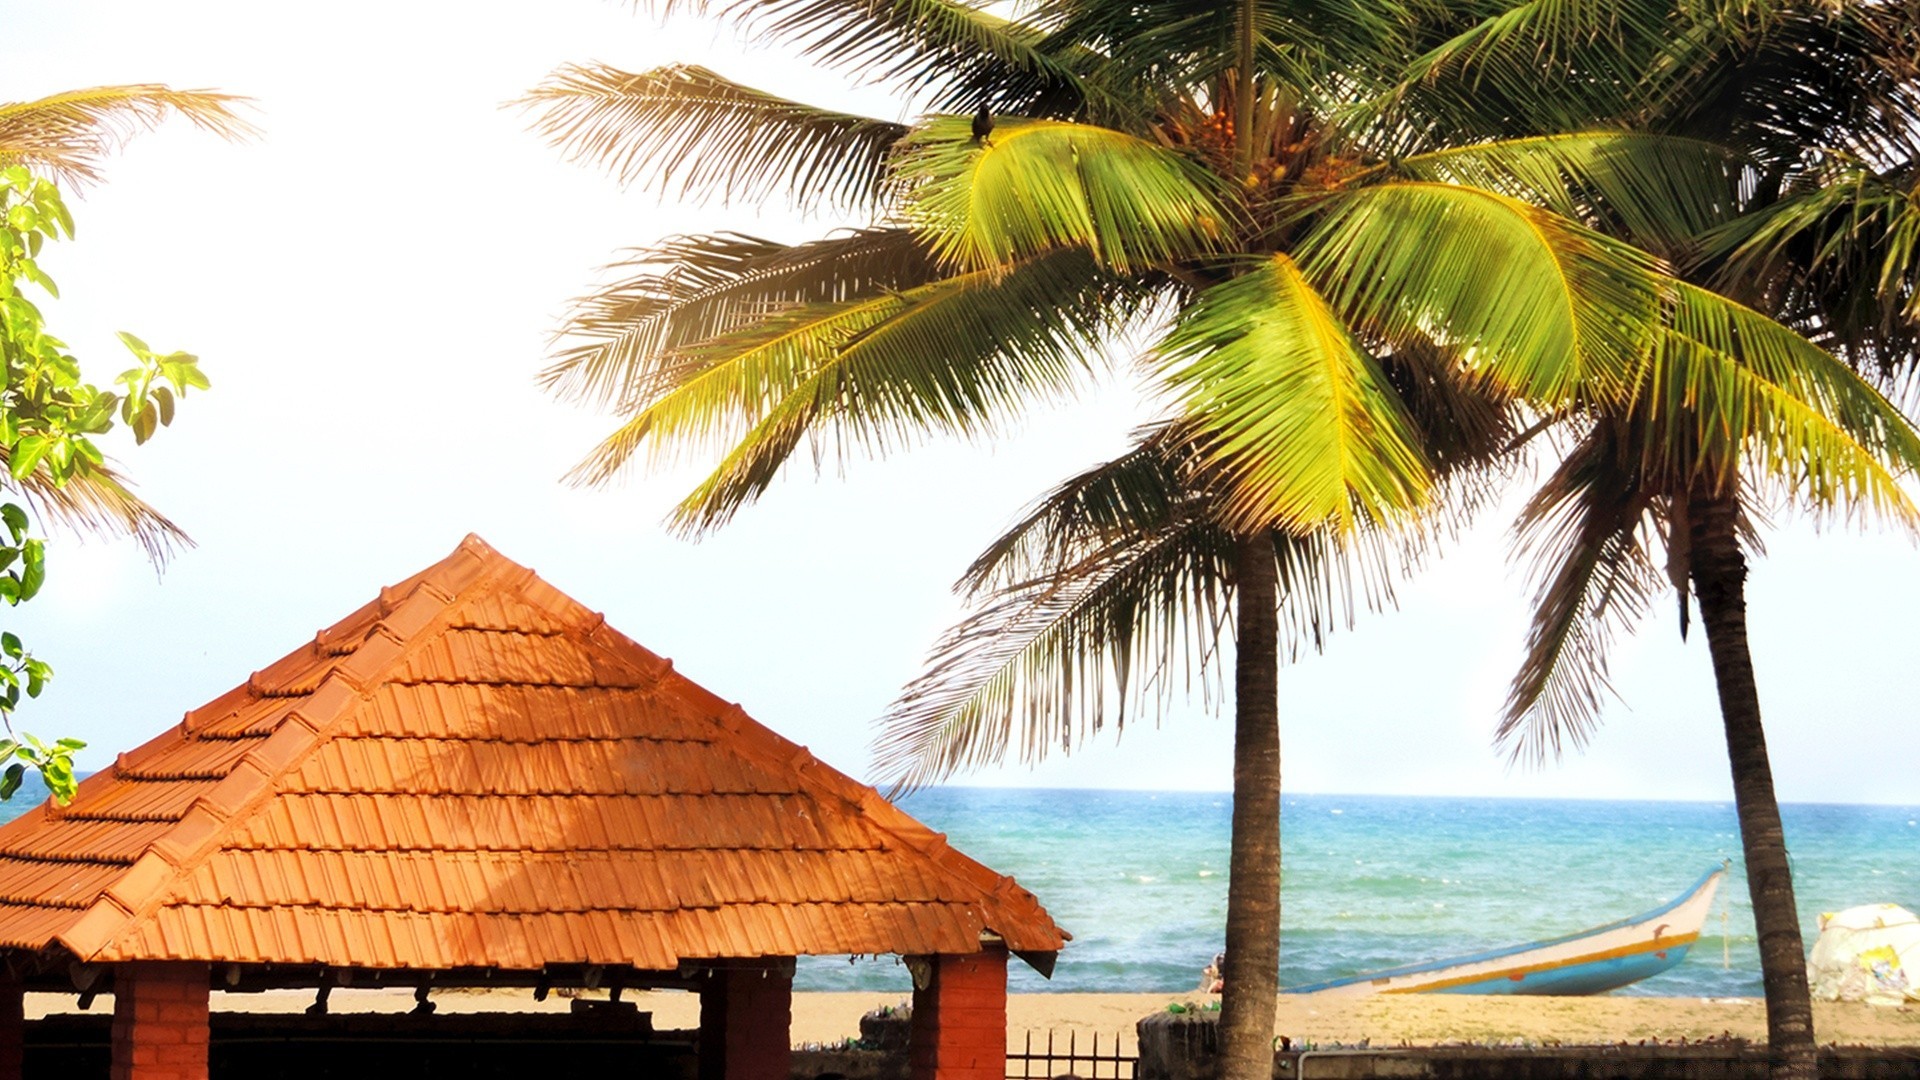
x=1139, y=878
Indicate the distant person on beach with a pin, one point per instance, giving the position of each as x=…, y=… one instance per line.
x=1210, y=975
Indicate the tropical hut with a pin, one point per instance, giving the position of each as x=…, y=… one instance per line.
x=473, y=780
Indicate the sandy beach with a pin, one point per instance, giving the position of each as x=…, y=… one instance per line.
x=1418, y=1019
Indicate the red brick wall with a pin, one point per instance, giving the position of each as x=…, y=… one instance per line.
x=160, y=1022
x=959, y=1027
x=746, y=1016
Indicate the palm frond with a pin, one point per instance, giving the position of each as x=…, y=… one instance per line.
x=954, y=355
x=1584, y=534
x=69, y=135
x=1291, y=405
x=1173, y=49
x=97, y=501
x=1726, y=381
x=1790, y=78
x=1137, y=492
x=955, y=53
x=1110, y=594
x=1604, y=59
x=1556, y=312
x=1840, y=258
x=685, y=129
x=1040, y=185
x=1037, y=665
x=1645, y=186
x=1464, y=426
x=622, y=340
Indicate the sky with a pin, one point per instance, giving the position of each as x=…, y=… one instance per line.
x=372, y=284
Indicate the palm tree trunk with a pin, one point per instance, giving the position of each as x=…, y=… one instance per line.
x=1719, y=573
x=1243, y=89
x=1251, y=977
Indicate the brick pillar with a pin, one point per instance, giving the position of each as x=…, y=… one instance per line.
x=160, y=1022
x=13, y=1026
x=959, y=1029
x=746, y=1016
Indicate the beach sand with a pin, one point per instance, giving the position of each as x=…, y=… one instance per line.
x=1421, y=1019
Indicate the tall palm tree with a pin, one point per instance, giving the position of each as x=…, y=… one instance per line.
x=1822, y=104
x=1185, y=171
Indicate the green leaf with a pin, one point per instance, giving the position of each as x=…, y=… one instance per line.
x=183, y=370
x=27, y=454
x=1557, y=313
x=145, y=421
x=1038, y=185
x=15, y=519
x=33, y=572
x=1659, y=188
x=32, y=272
x=1291, y=406
x=10, y=780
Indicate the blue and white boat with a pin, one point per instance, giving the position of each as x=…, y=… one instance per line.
x=1590, y=962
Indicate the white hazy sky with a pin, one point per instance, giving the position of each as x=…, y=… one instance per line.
x=371, y=285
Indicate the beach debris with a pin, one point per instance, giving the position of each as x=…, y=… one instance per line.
x=1869, y=953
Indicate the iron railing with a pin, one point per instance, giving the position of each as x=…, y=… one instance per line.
x=1100, y=1059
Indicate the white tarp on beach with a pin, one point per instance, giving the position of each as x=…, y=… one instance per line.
x=1869, y=953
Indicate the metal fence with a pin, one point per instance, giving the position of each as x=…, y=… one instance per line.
x=1098, y=1059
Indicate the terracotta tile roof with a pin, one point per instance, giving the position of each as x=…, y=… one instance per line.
x=475, y=771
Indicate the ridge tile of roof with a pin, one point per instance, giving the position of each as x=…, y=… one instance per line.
x=475, y=770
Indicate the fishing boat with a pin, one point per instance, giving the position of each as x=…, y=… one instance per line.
x=1590, y=962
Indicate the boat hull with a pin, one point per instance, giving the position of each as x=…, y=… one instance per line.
x=1575, y=979
x=1590, y=962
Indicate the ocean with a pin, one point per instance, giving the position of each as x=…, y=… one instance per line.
x=1369, y=881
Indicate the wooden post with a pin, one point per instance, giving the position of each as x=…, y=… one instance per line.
x=160, y=1028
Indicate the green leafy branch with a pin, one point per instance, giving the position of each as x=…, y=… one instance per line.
x=49, y=417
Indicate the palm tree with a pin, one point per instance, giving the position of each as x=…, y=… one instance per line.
x=1822, y=106
x=1186, y=172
